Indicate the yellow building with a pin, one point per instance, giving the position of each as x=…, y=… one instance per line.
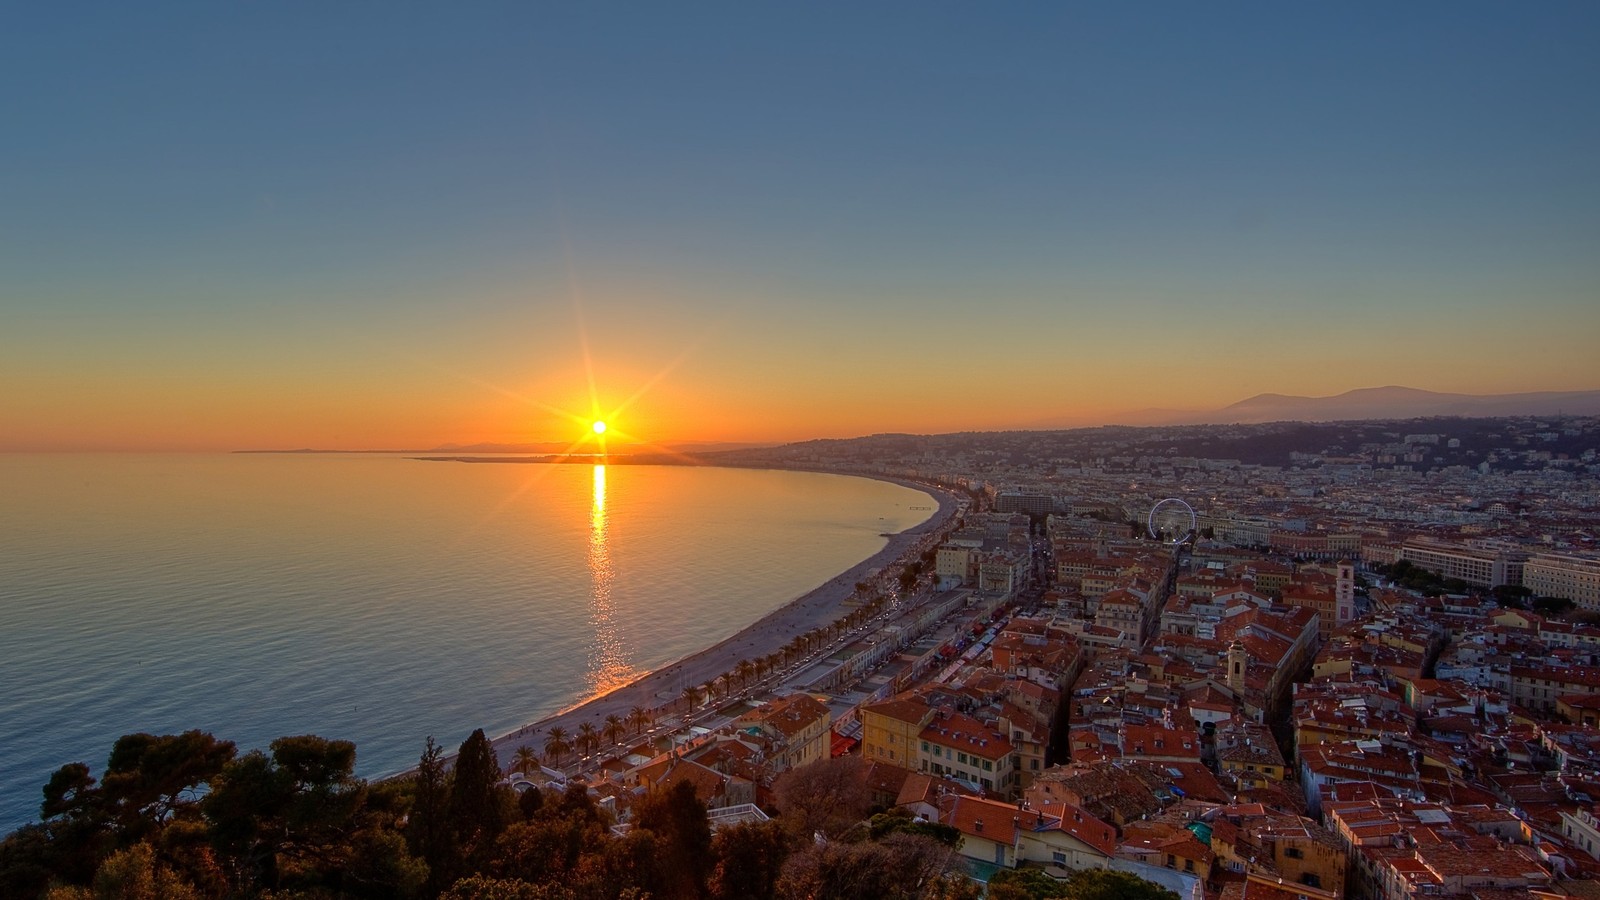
x=890, y=730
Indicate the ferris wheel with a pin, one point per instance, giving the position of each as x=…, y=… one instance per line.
x=1172, y=521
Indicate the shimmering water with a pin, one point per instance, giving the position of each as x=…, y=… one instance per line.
x=375, y=598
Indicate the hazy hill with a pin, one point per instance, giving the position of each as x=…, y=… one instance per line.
x=1394, y=402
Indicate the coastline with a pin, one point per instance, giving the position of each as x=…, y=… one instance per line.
x=819, y=606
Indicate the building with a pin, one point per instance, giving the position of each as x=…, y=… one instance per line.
x=1574, y=578
x=890, y=729
x=1483, y=566
x=798, y=727
x=958, y=746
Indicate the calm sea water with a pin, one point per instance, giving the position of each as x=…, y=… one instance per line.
x=375, y=598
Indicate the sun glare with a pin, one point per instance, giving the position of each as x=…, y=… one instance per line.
x=599, y=427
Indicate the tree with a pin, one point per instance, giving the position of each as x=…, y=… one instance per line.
x=826, y=796
x=1105, y=884
x=476, y=813
x=530, y=802
x=131, y=874
x=677, y=818
x=691, y=697
x=1026, y=884
x=1552, y=606
x=637, y=717
x=526, y=761
x=300, y=819
x=478, y=887
x=428, y=827
x=746, y=670
x=151, y=779
x=749, y=861
x=613, y=729
x=899, y=820
x=901, y=867
x=588, y=739
x=556, y=745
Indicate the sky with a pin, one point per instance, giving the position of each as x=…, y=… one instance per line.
x=393, y=225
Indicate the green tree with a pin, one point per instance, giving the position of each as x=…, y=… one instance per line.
x=477, y=887
x=1026, y=884
x=683, y=835
x=529, y=802
x=613, y=729
x=588, y=739
x=900, y=867
x=899, y=820
x=476, y=808
x=556, y=744
x=1105, y=884
x=749, y=861
x=526, y=761
x=428, y=829
x=131, y=874
x=300, y=819
x=150, y=779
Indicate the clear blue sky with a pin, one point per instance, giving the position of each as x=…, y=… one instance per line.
x=359, y=224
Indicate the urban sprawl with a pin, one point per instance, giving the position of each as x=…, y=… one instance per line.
x=1368, y=664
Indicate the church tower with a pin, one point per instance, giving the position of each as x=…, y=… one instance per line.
x=1345, y=594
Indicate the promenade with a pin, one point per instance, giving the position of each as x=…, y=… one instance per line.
x=660, y=691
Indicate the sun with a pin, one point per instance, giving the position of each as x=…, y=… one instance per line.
x=599, y=427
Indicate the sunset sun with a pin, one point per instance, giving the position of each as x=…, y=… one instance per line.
x=599, y=427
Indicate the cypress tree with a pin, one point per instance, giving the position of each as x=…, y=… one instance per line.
x=476, y=813
x=428, y=825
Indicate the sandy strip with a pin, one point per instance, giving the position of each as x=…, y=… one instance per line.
x=766, y=635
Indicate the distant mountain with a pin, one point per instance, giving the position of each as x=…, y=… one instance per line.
x=1395, y=402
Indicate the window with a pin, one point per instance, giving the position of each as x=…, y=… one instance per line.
x=1058, y=858
x=924, y=746
x=1293, y=853
x=962, y=757
x=988, y=765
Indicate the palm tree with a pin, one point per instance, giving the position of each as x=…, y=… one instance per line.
x=588, y=738
x=745, y=669
x=691, y=696
x=556, y=745
x=613, y=729
x=637, y=716
x=526, y=761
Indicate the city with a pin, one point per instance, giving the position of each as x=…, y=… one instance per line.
x=1261, y=708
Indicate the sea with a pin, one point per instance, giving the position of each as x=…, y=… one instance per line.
x=378, y=598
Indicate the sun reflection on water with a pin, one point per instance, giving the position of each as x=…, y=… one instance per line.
x=608, y=662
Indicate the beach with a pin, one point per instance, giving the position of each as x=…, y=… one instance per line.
x=663, y=687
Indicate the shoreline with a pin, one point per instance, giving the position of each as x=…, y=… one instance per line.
x=818, y=606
